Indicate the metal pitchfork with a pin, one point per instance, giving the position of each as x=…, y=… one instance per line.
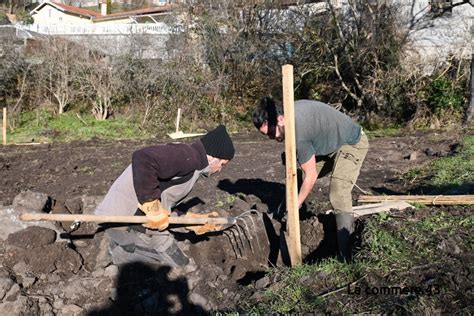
x=241, y=236
x=235, y=228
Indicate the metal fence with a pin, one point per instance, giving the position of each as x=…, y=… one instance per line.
x=93, y=29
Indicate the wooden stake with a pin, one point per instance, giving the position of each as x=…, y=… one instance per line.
x=294, y=242
x=422, y=199
x=4, y=126
x=178, y=118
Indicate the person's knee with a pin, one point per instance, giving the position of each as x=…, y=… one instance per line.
x=340, y=196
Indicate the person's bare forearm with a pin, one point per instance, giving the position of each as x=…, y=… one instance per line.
x=310, y=176
x=306, y=189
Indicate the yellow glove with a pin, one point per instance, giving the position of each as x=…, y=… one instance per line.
x=202, y=229
x=154, y=208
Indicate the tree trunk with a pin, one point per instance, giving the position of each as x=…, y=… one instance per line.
x=470, y=109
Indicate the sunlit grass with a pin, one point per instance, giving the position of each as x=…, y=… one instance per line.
x=383, y=132
x=43, y=126
x=457, y=169
x=447, y=173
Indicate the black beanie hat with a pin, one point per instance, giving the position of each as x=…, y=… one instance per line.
x=218, y=143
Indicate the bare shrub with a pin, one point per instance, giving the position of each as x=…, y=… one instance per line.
x=15, y=72
x=58, y=71
x=99, y=83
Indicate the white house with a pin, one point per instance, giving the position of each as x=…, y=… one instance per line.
x=55, y=18
x=113, y=34
x=90, y=3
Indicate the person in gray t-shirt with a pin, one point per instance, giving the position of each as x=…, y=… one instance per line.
x=328, y=143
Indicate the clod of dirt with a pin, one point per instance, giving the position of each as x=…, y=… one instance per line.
x=240, y=205
x=93, y=248
x=33, y=201
x=89, y=203
x=60, y=208
x=21, y=305
x=412, y=156
x=312, y=233
x=74, y=206
x=59, y=257
x=450, y=246
x=5, y=285
x=262, y=283
x=31, y=237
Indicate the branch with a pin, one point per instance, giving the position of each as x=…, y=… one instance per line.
x=336, y=68
x=22, y=88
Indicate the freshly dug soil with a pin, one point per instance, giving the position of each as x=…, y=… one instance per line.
x=66, y=270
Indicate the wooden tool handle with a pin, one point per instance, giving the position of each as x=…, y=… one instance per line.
x=423, y=199
x=123, y=219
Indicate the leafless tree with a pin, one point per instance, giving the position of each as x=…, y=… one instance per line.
x=58, y=71
x=99, y=82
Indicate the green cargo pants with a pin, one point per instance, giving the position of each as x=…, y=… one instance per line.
x=343, y=166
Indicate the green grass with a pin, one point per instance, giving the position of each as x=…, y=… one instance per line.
x=457, y=169
x=298, y=291
x=449, y=172
x=387, y=249
x=385, y=132
x=413, y=174
x=43, y=126
x=444, y=221
x=390, y=247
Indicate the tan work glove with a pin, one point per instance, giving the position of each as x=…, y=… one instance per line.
x=202, y=229
x=154, y=208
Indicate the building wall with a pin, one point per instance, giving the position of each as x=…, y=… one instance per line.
x=114, y=21
x=433, y=38
x=49, y=15
x=147, y=46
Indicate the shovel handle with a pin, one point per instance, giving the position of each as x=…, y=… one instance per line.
x=123, y=219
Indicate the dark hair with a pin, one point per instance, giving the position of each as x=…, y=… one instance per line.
x=267, y=111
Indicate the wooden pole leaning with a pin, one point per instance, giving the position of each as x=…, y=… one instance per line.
x=294, y=242
x=4, y=126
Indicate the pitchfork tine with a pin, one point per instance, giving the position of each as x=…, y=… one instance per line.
x=241, y=251
x=254, y=227
x=240, y=236
x=248, y=235
x=232, y=244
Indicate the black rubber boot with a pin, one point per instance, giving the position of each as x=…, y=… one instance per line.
x=345, y=228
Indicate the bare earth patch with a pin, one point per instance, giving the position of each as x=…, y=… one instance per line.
x=59, y=270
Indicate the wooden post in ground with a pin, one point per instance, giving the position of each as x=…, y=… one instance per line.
x=294, y=240
x=178, y=118
x=4, y=126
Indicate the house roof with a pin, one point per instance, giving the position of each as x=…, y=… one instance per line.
x=143, y=11
x=76, y=10
x=93, y=15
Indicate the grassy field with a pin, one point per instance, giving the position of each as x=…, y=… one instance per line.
x=43, y=126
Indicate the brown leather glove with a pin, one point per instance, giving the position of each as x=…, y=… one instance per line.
x=202, y=229
x=154, y=208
